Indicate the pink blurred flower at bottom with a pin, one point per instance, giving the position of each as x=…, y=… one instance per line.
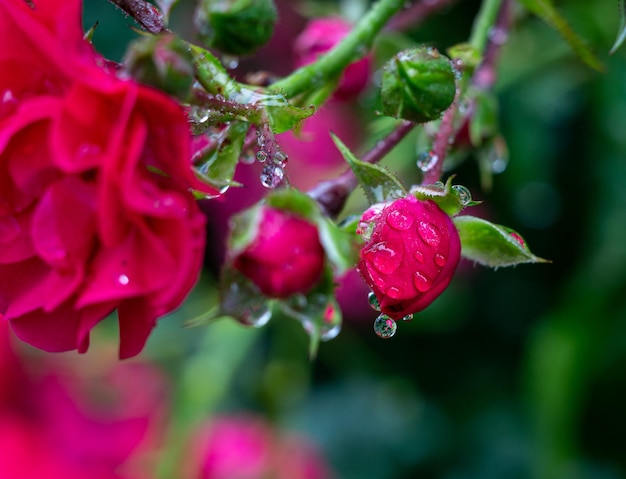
x=246, y=447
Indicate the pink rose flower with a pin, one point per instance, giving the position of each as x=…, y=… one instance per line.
x=246, y=447
x=321, y=35
x=285, y=258
x=96, y=212
x=411, y=255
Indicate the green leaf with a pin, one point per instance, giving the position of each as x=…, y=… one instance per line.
x=218, y=167
x=492, y=245
x=548, y=13
x=379, y=185
x=621, y=34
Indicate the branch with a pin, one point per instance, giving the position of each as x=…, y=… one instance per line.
x=144, y=13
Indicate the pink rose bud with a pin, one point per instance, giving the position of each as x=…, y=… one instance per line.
x=411, y=255
x=321, y=35
x=285, y=258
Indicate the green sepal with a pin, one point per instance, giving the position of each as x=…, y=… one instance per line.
x=379, y=184
x=492, y=245
x=242, y=300
x=236, y=27
x=218, y=167
x=467, y=54
x=545, y=10
x=450, y=198
x=417, y=85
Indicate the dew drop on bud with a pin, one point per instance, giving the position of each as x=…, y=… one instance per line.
x=399, y=220
x=428, y=232
x=426, y=161
x=384, y=326
x=421, y=282
x=373, y=301
x=463, y=194
x=440, y=260
x=408, y=318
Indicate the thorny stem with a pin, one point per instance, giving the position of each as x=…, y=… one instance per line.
x=354, y=46
x=144, y=13
x=331, y=195
x=494, y=16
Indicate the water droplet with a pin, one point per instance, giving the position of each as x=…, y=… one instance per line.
x=8, y=103
x=280, y=159
x=440, y=260
x=261, y=156
x=399, y=220
x=385, y=258
x=123, y=279
x=257, y=318
x=426, y=161
x=272, y=176
x=384, y=326
x=230, y=62
x=408, y=318
x=498, y=35
x=419, y=256
x=220, y=97
x=393, y=292
x=87, y=151
x=463, y=194
x=373, y=301
x=9, y=229
x=198, y=114
x=247, y=158
x=428, y=232
x=331, y=324
x=421, y=282
x=328, y=333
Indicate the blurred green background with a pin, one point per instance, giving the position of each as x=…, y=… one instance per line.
x=514, y=373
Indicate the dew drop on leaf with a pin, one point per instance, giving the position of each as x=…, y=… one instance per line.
x=463, y=194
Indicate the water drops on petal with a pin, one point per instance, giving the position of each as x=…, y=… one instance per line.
x=440, y=260
x=422, y=282
x=429, y=234
x=386, y=258
x=384, y=326
x=373, y=301
x=399, y=220
x=123, y=279
x=261, y=156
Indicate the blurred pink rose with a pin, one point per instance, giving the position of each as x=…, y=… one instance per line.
x=96, y=212
x=63, y=419
x=321, y=35
x=246, y=447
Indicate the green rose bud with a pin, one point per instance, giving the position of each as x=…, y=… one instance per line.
x=163, y=61
x=235, y=27
x=418, y=85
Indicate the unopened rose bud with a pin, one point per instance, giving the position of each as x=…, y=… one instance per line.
x=235, y=27
x=410, y=257
x=163, y=61
x=319, y=36
x=285, y=257
x=418, y=85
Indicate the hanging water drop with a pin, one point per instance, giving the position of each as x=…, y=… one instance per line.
x=261, y=156
x=426, y=161
x=255, y=317
x=373, y=301
x=384, y=326
x=230, y=62
x=272, y=176
x=408, y=318
x=280, y=159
